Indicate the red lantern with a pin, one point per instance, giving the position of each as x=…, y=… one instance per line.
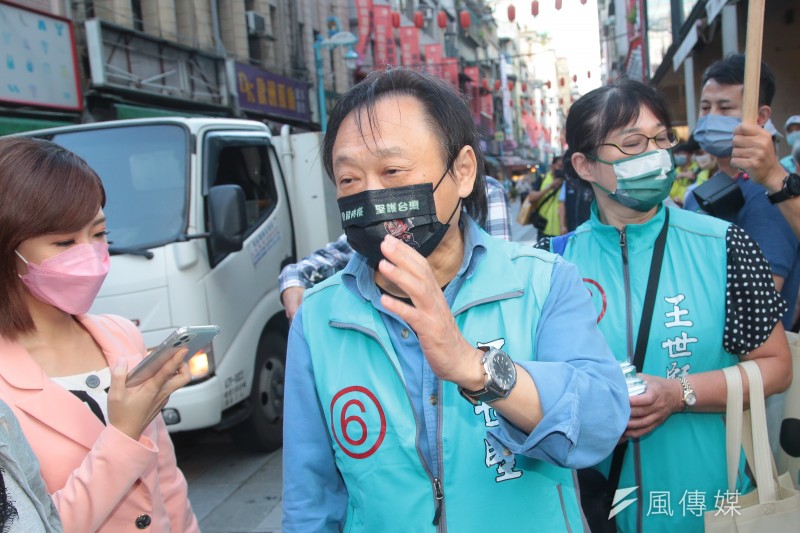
x=588, y=73
x=419, y=19
x=561, y=80
x=542, y=102
x=575, y=78
x=558, y=4
x=512, y=13
x=486, y=84
x=511, y=103
x=535, y=8
x=510, y=84
x=583, y=2
x=465, y=19
x=497, y=85
x=524, y=87
x=441, y=18
x=395, y=19
x=561, y=101
x=524, y=113
x=549, y=85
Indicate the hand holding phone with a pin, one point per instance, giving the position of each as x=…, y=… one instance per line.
x=193, y=338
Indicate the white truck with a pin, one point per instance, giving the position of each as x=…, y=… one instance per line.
x=203, y=213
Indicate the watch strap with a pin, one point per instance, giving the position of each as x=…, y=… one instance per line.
x=687, y=390
x=785, y=193
x=488, y=393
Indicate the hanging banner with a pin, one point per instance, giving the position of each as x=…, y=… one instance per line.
x=363, y=16
x=409, y=46
x=433, y=59
x=636, y=65
x=472, y=89
x=450, y=70
x=384, y=37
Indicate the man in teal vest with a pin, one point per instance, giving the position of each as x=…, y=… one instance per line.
x=444, y=379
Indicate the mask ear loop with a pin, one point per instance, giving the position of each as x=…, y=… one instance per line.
x=20, y=256
x=458, y=204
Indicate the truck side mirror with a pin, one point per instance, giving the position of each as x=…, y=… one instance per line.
x=228, y=215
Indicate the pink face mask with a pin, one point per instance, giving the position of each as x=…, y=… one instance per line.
x=70, y=280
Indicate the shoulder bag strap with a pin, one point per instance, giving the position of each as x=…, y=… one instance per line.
x=733, y=422
x=644, y=335
x=760, y=458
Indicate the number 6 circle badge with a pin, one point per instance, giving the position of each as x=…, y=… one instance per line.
x=358, y=423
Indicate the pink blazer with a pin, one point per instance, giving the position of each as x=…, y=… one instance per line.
x=99, y=478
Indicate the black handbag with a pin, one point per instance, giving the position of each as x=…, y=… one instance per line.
x=720, y=196
x=536, y=219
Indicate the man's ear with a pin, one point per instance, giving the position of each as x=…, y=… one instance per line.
x=465, y=170
x=583, y=167
x=764, y=114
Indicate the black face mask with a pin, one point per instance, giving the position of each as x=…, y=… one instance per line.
x=407, y=213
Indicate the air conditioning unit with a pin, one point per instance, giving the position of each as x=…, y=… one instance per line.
x=256, y=23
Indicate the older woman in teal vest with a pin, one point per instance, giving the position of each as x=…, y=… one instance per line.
x=714, y=304
x=444, y=380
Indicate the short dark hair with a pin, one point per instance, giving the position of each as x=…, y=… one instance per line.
x=599, y=112
x=446, y=111
x=44, y=189
x=730, y=71
x=556, y=159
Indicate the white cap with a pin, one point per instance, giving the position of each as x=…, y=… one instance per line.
x=794, y=119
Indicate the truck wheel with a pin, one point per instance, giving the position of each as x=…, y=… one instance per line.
x=263, y=430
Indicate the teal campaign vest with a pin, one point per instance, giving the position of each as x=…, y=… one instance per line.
x=373, y=426
x=680, y=466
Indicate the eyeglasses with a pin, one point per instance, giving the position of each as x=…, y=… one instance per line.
x=637, y=143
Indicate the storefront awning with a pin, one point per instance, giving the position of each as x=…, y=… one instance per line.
x=9, y=125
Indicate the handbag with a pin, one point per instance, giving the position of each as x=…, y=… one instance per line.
x=775, y=504
x=720, y=196
x=535, y=218
x=524, y=212
x=789, y=453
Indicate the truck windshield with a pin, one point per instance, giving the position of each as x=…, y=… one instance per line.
x=143, y=169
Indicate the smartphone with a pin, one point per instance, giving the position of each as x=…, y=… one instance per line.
x=195, y=338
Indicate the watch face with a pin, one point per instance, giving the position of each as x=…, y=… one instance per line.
x=690, y=399
x=503, y=371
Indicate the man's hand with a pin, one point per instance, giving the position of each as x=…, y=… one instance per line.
x=291, y=299
x=651, y=409
x=448, y=353
x=754, y=153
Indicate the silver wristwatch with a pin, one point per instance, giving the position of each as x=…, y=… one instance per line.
x=688, y=398
x=501, y=376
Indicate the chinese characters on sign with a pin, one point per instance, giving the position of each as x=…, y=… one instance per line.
x=268, y=93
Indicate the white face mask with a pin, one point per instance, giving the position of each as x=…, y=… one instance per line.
x=704, y=160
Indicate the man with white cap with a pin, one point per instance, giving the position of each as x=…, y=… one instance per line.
x=792, y=131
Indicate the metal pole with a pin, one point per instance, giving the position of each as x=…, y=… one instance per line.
x=323, y=113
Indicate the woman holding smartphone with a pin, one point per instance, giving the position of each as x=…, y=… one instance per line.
x=103, y=448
